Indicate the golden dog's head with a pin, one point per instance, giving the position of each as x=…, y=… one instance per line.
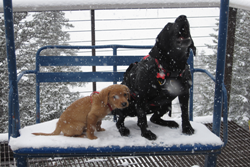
x=116, y=95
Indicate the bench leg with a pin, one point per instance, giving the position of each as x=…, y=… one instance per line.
x=21, y=162
x=210, y=160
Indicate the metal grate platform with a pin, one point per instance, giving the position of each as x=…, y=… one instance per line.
x=236, y=153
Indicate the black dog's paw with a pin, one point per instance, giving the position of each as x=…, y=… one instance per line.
x=149, y=135
x=124, y=131
x=171, y=124
x=188, y=130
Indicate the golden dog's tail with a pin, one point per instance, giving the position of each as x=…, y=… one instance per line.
x=57, y=131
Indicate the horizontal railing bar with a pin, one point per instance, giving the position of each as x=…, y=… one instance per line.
x=87, y=60
x=80, y=77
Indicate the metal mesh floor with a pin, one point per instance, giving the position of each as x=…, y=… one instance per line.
x=236, y=153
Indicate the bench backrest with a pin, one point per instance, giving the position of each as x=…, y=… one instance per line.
x=113, y=60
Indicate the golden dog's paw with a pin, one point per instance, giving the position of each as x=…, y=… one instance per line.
x=101, y=129
x=92, y=137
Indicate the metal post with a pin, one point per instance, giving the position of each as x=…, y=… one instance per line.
x=191, y=90
x=21, y=161
x=11, y=56
x=210, y=160
x=115, y=64
x=220, y=68
x=37, y=102
x=37, y=88
x=10, y=128
x=92, y=15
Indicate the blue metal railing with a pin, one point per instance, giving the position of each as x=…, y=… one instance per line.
x=54, y=60
x=223, y=100
x=11, y=56
x=91, y=61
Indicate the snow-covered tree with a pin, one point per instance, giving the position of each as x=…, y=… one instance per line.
x=203, y=85
x=239, y=101
x=21, y=35
x=239, y=109
x=41, y=29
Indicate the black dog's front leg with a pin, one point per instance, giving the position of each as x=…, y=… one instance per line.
x=142, y=122
x=120, y=123
x=186, y=126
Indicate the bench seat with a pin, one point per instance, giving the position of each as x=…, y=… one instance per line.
x=110, y=141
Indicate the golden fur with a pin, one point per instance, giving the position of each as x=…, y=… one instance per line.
x=86, y=114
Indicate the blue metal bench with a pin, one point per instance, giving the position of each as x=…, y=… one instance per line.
x=21, y=155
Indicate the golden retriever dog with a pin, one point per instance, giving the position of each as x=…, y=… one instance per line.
x=86, y=114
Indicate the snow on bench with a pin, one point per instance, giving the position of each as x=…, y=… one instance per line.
x=167, y=137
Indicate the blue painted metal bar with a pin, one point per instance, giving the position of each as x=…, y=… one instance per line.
x=11, y=56
x=38, y=83
x=220, y=68
x=206, y=72
x=37, y=101
x=191, y=90
x=225, y=110
x=94, y=47
x=21, y=161
x=14, y=124
x=115, y=63
x=80, y=77
x=87, y=60
x=10, y=104
x=23, y=73
x=210, y=160
x=74, y=60
x=121, y=151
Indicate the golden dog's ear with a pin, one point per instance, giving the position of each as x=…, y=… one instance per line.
x=104, y=95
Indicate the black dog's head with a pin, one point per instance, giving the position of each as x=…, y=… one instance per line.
x=174, y=41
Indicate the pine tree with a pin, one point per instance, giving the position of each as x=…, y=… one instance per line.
x=46, y=28
x=204, y=102
x=21, y=35
x=239, y=101
x=203, y=87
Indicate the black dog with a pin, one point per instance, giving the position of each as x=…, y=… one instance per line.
x=158, y=79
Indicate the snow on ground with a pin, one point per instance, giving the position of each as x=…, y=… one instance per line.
x=3, y=137
x=166, y=136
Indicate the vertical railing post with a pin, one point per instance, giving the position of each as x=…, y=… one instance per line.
x=11, y=56
x=37, y=102
x=115, y=70
x=191, y=90
x=10, y=105
x=92, y=15
x=220, y=68
x=115, y=64
x=37, y=88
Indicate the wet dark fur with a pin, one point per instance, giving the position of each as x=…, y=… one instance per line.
x=154, y=95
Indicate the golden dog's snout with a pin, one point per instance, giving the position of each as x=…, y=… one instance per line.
x=124, y=104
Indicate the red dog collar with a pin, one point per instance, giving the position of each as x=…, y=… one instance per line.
x=163, y=72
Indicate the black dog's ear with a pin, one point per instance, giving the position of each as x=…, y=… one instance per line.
x=193, y=48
